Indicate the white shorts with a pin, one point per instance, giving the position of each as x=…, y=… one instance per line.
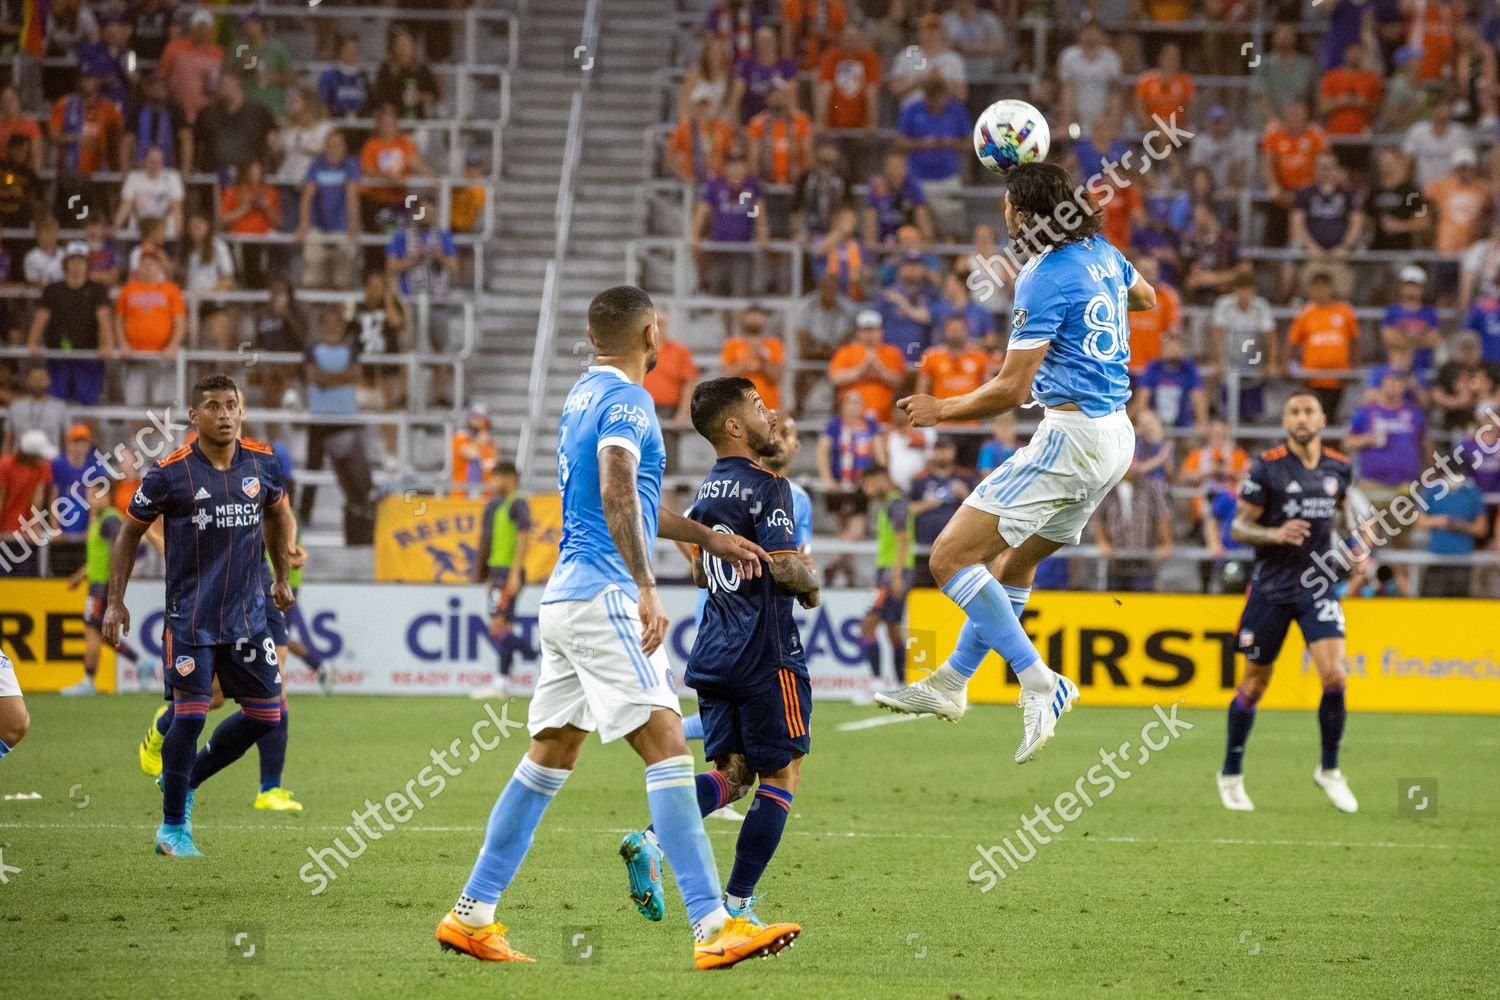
x=1052, y=486
x=594, y=674
x=9, y=686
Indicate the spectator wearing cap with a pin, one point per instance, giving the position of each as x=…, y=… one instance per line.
x=404, y=81
x=1349, y=95
x=1410, y=322
x=1164, y=93
x=933, y=132
x=1328, y=223
x=930, y=59
x=756, y=77
x=151, y=322
x=756, y=355
x=328, y=227
x=231, y=131
x=848, y=86
x=344, y=87
x=952, y=368
x=1405, y=98
x=671, y=384
x=1135, y=515
x=1461, y=200
x=838, y=253
x=35, y=409
x=74, y=471
x=1173, y=387
x=190, y=64
x=1327, y=332
x=700, y=144
x=1088, y=74
x=1283, y=74
x=152, y=190
x=25, y=483
x=820, y=193
x=935, y=496
x=1483, y=320
x=1398, y=213
x=264, y=64
x=1290, y=151
x=1464, y=382
x=868, y=367
x=824, y=321
x=474, y=453
x=73, y=316
x=894, y=199
x=1243, y=330
x=109, y=58
x=731, y=211
x=1432, y=142
x=906, y=307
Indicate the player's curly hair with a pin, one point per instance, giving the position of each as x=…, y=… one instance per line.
x=1055, y=209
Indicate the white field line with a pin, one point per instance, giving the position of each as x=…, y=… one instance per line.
x=877, y=720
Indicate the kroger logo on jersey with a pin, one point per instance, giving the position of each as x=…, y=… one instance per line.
x=779, y=519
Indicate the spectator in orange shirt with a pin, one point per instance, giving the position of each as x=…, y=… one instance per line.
x=1350, y=95
x=1461, y=199
x=190, y=65
x=251, y=207
x=808, y=26
x=699, y=144
x=86, y=130
x=1164, y=91
x=756, y=356
x=848, y=89
x=671, y=385
x=868, y=367
x=473, y=453
x=1431, y=29
x=1123, y=210
x=1327, y=331
x=1147, y=327
x=952, y=368
x=150, y=320
x=1214, y=467
x=390, y=157
x=1289, y=154
x=780, y=140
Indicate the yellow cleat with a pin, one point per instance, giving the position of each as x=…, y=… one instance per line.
x=741, y=939
x=150, y=747
x=278, y=800
x=487, y=944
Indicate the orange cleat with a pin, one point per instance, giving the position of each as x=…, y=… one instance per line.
x=487, y=944
x=740, y=939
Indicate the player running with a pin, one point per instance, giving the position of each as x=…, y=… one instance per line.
x=1287, y=508
x=747, y=664
x=1069, y=346
x=500, y=564
x=603, y=667
x=224, y=507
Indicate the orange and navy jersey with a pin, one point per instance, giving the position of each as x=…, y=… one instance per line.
x=1283, y=488
x=746, y=634
x=211, y=520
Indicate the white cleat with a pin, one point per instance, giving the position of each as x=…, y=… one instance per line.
x=1337, y=786
x=728, y=813
x=1232, y=793
x=1039, y=715
x=925, y=698
x=490, y=692
x=84, y=687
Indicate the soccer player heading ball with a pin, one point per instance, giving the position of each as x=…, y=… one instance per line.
x=1069, y=347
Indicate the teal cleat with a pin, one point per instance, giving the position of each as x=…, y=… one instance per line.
x=643, y=866
x=748, y=912
x=187, y=807
x=176, y=842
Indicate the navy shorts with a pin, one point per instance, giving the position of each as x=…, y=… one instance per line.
x=888, y=609
x=247, y=668
x=1264, y=624
x=768, y=728
x=93, y=605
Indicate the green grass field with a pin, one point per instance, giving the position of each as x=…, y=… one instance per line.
x=1154, y=891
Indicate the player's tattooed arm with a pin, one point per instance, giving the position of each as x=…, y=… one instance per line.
x=622, y=513
x=116, y=624
x=792, y=574
x=1247, y=529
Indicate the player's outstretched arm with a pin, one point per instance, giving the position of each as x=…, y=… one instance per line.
x=1000, y=394
x=622, y=515
x=742, y=553
x=116, y=624
x=1141, y=296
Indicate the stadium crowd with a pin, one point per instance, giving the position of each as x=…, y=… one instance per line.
x=1328, y=217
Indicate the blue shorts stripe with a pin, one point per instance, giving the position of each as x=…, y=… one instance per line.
x=1034, y=470
x=1016, y=471
x=620, y=619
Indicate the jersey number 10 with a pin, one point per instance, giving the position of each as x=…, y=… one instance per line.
x=721, y=576
x=1108, y=321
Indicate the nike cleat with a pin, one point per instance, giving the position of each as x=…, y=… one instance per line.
x=176, y=842
x=187, y=805
x=486, y=943
x=748, y=911
x=1337, y=787
x=150, y=747
x=643, y=867
x=277, y=800
x=1232, y=793
x=923, y=697
x=1039, y=715
x=740, y=939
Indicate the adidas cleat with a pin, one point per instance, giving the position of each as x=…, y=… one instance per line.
x=486, y=943
x=643, y=867
x=923, y=697
x=1334, y=783
x=1039, y=715
x=740, y=939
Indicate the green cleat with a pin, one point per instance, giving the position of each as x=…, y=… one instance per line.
x=150, y=747
x=643, y=866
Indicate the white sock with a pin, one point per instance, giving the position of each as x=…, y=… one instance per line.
x=945, y=678
x=709, y=927
x=473, y=912
x=740, y=902
x=1037, y=678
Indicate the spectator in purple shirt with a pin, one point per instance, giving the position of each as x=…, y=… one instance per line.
x=906, y=309
x=1389, y=438
x=1173, y=386
x=757, y=76
x=1484, y=320
x=1408, y=322
x=730, y=212
x=894, y=200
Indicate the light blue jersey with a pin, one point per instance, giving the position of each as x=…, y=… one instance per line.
x=1074, y=297
x=604, y=408
x=801, y=516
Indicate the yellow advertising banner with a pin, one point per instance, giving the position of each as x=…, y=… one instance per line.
x=425, y=539
x=1421, y=655
x=41, y=630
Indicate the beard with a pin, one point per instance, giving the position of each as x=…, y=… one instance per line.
x=1302, y=436
x=766, y=447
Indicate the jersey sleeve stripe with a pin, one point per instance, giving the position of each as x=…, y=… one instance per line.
x=1030, y=343
x=139, y=520
x=619, y=442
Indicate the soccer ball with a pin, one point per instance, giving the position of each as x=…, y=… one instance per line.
x=1008, y=133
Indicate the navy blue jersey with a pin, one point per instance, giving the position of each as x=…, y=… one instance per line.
x=746, y=634
x=214, y=543
x=1284, y=489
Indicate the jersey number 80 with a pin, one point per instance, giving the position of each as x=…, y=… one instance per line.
x=1108, y=321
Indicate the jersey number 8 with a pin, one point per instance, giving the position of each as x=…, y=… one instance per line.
x=1106, y=317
